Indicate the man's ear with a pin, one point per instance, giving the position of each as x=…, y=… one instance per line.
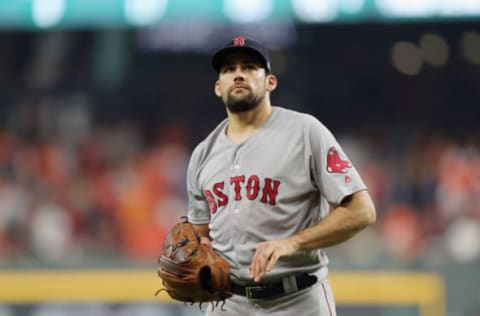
x=271, y=82
x=218, y=93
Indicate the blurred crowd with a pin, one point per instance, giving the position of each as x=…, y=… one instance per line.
x=71, y=189
x=426, y=186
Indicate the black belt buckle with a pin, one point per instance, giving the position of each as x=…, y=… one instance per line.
x=250, y=291
x=261, y=292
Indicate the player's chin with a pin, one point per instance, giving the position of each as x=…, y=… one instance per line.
x=240, y=107
x=238, y=94
x=237, y=98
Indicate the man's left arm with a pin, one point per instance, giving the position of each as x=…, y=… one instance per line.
x=354, y=214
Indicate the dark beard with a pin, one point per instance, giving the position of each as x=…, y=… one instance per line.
x=245, y=104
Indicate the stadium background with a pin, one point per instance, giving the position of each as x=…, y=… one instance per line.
x=101, y=104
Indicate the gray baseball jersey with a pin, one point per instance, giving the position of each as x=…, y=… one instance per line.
x=273, y=185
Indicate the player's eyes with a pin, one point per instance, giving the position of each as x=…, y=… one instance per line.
x=233, y=68
x=228, y=69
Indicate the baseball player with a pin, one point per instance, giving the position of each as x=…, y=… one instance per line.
x=271, y=188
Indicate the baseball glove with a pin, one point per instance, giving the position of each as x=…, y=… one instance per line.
x=192, y=272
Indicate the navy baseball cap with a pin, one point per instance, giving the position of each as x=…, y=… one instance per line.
x=242, y=43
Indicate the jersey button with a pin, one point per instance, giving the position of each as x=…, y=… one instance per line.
x=236, y=167
x=236, y=211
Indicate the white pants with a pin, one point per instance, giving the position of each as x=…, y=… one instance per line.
x=313, y=301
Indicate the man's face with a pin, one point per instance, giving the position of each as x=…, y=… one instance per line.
x=242, y=82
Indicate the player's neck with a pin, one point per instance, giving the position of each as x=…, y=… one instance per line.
x=242, y=125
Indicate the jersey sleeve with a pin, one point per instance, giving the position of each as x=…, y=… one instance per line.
x=198, y=211
x=331, y=170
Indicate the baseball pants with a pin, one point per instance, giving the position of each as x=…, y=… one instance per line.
x=314, y=301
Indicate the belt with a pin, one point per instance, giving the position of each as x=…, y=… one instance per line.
x=287, y=285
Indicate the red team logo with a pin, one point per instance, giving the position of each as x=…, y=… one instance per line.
x=212, y=205
x=265, y=190
x=252, y=187
x=335, y=164
x=239, y=41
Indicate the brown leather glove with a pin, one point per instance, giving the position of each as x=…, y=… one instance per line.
x=190, y=271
